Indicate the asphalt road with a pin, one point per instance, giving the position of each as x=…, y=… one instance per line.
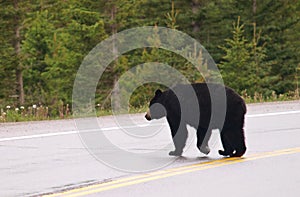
x=49, y=157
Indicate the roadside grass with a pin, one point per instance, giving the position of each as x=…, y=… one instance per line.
x=17, y=114
x=36, y=113
x=259, y=98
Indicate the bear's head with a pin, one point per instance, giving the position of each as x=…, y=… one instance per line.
x=157, y=106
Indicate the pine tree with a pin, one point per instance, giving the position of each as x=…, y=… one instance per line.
x=55, y=44
x=280, y=23
x=243, y=67
x=12, y=25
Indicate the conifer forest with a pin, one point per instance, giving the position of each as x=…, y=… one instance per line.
x=255, y=44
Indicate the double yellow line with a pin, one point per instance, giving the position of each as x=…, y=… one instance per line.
x=92, y=189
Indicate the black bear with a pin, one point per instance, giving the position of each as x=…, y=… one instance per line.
x=216, y=107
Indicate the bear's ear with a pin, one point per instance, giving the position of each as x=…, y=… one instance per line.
x=158, y=92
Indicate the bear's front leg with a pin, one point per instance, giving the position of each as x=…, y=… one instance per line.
x=179, y=135
x=179, y=141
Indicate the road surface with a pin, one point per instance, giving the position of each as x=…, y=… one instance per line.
x=49, y=158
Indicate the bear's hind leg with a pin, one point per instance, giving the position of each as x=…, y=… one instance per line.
x=226, y=141
x=240, y=146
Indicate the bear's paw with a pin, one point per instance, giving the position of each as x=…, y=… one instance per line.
x=204, y=149
x=175, y=153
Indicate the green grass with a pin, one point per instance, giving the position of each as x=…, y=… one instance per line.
x=259, y=98
x=37, y=113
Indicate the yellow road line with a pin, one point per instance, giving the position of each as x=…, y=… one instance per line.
x=92, y=189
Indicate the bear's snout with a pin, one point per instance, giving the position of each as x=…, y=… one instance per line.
x=147, y=116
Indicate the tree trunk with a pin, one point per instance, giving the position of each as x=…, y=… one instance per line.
x=254, y=7
x=195, y=10
x=116, y=90
x=17, y=47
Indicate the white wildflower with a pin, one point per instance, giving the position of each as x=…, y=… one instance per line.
x=7, y=107
x=33, y=106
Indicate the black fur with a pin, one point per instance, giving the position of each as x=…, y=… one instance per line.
x=177, y=105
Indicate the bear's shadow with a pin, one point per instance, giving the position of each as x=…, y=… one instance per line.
x=195, y=159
